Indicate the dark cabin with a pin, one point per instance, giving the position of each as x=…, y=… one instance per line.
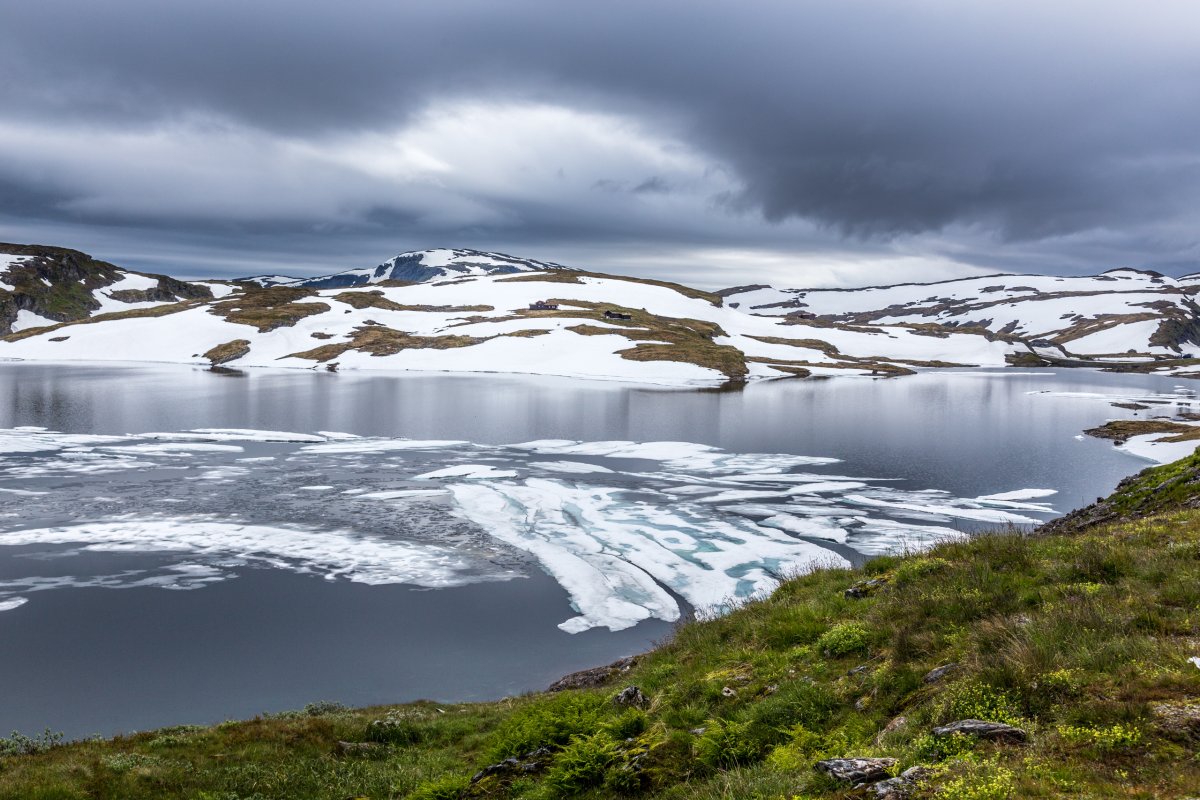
x=542, y=305
x=617, y=315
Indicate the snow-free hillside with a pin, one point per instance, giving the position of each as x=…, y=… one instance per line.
x=43, y=286
x=422, y=265
x=602, y=327
x=1120, y=314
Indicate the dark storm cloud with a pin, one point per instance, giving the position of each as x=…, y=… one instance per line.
x=1018, y=135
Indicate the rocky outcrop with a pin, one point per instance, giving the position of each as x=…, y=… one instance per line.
x=632, y=697
x=58, y=284
x=229, y=351
x=530, y=763
x=596, y=676
x=1154, y=490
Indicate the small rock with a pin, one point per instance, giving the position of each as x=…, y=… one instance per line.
x=505, y=766
x=1179, y=720
x=697, y=731
x=729, y=691
x=937, y=673
x=859, y=670
x=357, y=748
x=531, y=762
x=862, y=703
x=857, y=770
x=981, y=729
x=895, y=725
x=771, y=689
x=893, y=789
x=902, y=786
x=865, y=588
x=632, y=697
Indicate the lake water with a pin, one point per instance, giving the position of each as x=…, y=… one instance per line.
x=178, y=545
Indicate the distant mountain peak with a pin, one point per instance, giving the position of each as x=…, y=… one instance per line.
x=418, y=266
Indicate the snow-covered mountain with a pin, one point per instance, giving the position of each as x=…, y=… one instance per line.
x=267, y=280
x=418, y=266
x=478, y=312
x=41, y=285
x=1121, y=314
x=556, y=322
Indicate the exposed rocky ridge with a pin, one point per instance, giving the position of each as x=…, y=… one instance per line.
x=60, y=285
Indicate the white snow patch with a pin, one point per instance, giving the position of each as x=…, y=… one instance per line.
x=1150, y=447
x=27, y=319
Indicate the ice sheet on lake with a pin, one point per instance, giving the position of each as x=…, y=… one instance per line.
x=467, y=471
x=950, y=511
x=332, y=554
x=576, y=467
x=378, y=445
x=1020, y=494
x=700, y=528
x=614, y=557
x=399, y=494
x=240, y=435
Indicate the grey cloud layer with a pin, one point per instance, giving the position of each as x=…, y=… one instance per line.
x=1010, y=135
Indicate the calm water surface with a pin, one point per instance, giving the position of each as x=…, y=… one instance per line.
x=84, y=656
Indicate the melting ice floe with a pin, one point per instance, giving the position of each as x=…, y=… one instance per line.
x=629, y=529
x=333, y=554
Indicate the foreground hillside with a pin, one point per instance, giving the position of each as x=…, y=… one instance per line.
x=1056, y=665
x=469, y=311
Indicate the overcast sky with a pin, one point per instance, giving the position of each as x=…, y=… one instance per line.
x=847, y=142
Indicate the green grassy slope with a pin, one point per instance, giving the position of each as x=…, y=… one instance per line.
x=1080, y=637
